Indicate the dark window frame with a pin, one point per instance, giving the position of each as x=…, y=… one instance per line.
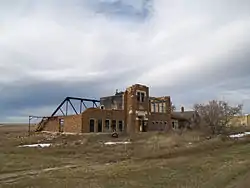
x=99, y=125
x=113, y=127
x=107, y=126
x=91, y=129
x=142, y=96
x=120, y=125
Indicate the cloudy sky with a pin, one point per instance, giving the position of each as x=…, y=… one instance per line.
x=192, y=50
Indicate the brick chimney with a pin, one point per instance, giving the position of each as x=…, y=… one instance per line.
x=182, y=109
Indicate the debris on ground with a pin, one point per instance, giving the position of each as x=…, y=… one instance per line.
x=114, y=135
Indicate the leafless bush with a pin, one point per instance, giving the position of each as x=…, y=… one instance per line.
x=217, y=114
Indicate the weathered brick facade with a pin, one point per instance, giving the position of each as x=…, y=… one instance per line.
x=104, y=116
x=136, y=106
x=137, y=112
x=52, y=124
x=71, y=123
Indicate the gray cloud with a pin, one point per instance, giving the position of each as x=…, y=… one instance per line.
x=118, y=9
x=193, y=51
x=26, y=97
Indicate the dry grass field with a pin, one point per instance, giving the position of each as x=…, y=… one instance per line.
x=152, y=160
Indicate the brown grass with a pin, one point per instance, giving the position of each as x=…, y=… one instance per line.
x=152, y=160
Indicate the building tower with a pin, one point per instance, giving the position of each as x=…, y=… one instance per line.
x=136, y=108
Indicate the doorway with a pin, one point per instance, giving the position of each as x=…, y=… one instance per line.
x=61, y=125
x=143, y=125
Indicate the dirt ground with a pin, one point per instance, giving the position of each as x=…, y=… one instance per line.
x=151, y=160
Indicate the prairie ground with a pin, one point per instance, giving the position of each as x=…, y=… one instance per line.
x=151, y=160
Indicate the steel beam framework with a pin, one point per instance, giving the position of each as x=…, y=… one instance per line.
x=68, y=102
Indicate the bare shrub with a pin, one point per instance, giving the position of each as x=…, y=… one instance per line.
x=217, y=114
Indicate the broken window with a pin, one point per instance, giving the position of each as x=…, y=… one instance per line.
x=173, y=124
x=99, y=125
x=164, y=108
x=91, y=125
x=152, y=107
x=138, y=95
x=160, y=108
x=142, y=97
x=113, y=125
x=120, y=126
x=107, y=124
x=156, y=107
x=61, y=125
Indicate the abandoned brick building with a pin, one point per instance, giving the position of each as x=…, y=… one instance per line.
x=130, y=111
x=185, y=119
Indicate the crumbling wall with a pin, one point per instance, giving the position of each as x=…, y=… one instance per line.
x=161, y=121
x=113, y=102
x=72, y=123
x=52, y=124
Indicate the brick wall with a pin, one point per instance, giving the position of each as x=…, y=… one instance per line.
x=161, y=121
x=132, y=106
x=52, y=125
x=97, y=114
x=73, y=123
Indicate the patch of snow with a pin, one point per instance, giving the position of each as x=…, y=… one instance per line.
x=114, y=143
x=35, y=145
x=62, y=133
x=69, y=133
x=239, y=135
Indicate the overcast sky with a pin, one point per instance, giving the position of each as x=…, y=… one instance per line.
x=192, y=50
